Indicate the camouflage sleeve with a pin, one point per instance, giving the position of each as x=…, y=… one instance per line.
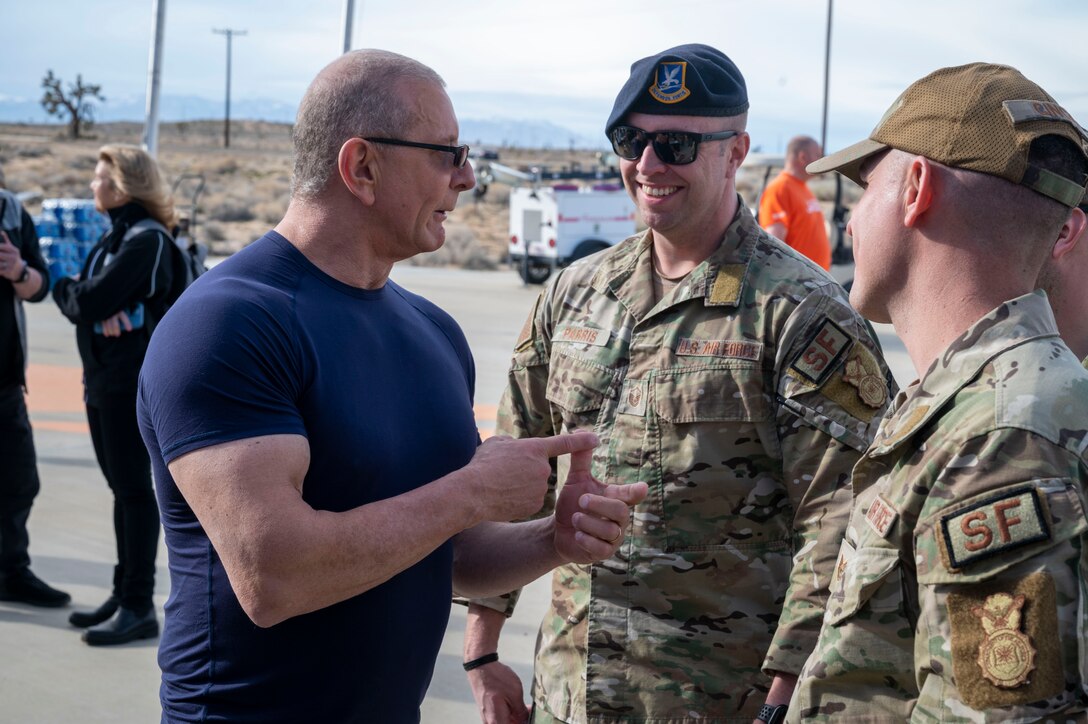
x=1001, y=561
x=832, y=389
x=524, y=412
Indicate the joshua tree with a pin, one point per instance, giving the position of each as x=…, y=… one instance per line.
x=76, y=101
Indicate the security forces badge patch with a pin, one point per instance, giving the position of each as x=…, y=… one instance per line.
x=1006, y=656
x=1004, y=641
x=668, y=85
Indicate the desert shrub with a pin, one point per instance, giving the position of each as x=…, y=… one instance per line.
x=231, y=210
x=460, y=249
x=33, y=152
x=211, y=231
x=270, y=212
x=479, y=260
x=65, y=181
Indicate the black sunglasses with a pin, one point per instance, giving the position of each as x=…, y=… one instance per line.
x=460, y=153
x=672, y=147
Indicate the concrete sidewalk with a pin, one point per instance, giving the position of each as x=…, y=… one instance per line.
x=49, y=676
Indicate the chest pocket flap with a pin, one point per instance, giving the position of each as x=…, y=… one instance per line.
x=867, y=576
x=711, y=394
x=578, y=385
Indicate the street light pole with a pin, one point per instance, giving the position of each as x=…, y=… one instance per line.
x=827, y=78
x=230, y=33
x=840, y=253
x=349, y=22
x=154, y=76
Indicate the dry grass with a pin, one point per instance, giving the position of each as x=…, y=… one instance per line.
x=247, y=186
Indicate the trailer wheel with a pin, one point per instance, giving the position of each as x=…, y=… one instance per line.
x=534, y=273
x=588, y=247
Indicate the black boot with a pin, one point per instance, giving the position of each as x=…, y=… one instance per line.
x=126, y=625
x=86, y=619
x=25, y=587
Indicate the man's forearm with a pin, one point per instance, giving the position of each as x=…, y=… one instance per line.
x=495, y=558
x=483, y=626
x=781, y=689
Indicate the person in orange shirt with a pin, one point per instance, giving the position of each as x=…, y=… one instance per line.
x=789, y=211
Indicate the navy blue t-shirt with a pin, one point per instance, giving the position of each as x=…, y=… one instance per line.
x=380, y=382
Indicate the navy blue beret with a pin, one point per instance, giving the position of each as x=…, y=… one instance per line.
x=688, y=80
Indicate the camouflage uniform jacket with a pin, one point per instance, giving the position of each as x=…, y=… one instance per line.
x=960, y=590
x=730, y=397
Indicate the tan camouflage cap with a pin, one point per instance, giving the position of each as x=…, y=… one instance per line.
x=980, y=117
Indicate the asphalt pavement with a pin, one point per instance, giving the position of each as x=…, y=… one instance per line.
x=49, y=676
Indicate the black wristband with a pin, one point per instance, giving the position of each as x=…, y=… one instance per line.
x=772, y=714
x=477, y=663
x=25, y=273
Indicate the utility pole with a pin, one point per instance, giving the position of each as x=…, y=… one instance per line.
x=840, y=252
x=230, y=33
x=349, y=22
x=827, y=78
x=154, y=76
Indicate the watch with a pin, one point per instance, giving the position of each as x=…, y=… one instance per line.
x=25, y=275
x=772, y=714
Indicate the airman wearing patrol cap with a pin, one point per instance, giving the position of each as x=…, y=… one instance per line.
x=960, y=590
x=728, y=372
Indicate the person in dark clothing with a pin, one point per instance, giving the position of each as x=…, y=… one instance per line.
x=24, y=276
x=126, y=285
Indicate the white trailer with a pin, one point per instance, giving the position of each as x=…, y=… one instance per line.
x=551, y=227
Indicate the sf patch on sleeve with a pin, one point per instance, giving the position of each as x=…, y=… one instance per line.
x=820, y=356
x=993, y=526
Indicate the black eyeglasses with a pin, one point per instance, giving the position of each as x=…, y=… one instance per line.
x=460, y=153
x=672, y=147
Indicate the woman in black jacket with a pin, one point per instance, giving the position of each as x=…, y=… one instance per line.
x=126, y=285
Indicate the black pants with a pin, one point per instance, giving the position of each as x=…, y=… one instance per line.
x=19, y=482
x=124, y=461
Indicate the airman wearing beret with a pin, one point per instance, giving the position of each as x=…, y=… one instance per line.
x=960, y=590
x=728, y=372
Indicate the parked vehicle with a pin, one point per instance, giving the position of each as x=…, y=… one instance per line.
x=550, y=227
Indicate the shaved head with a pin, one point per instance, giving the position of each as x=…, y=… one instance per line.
x=801, y=144
x=351, y=97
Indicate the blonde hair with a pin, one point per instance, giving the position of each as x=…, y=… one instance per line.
x=134, y=172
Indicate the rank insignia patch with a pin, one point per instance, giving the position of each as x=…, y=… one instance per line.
x=633, y=398
x=668, y=85
x=992, y=526
x=819, y=356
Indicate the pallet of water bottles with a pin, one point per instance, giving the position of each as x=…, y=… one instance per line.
x=67, y=231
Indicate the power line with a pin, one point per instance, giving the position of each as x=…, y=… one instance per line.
x=230, y=33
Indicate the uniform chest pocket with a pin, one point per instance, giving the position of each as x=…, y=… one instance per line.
x=867, y=579
x=717, y=461
x=711, y=395
x=579, y=388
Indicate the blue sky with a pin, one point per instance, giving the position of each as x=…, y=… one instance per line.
x=561, y=60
